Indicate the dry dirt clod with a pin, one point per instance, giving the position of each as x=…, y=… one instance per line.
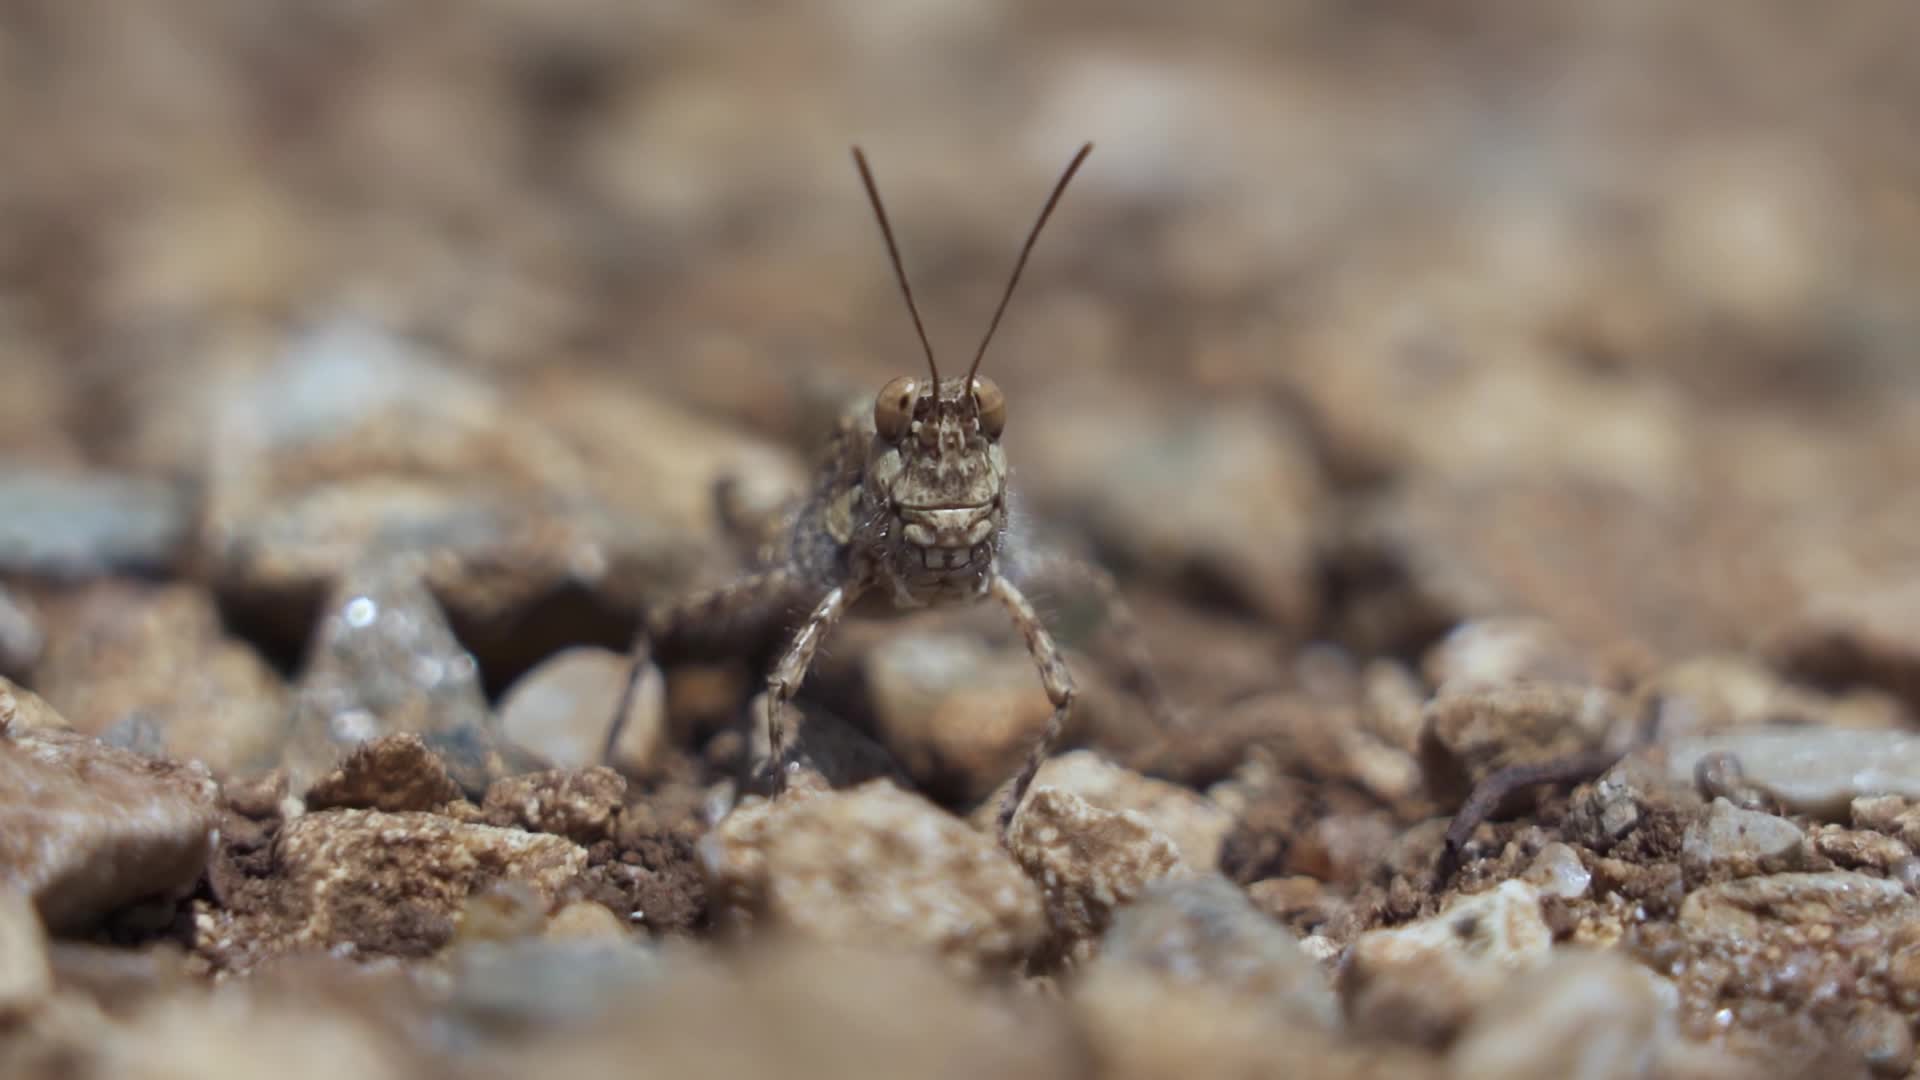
x=1422, y=982
x=1715, y=694
x=390, y=773
x=504, y=910
x=1860, y=849
x=1833, y=898
x=1637, y=791
x=1488, y=654
x=392, y=883
x=871, y=865
x=1196, y=824
x=1882, y=813
x=86, y=828
x=584, y=920
x=1392, y=700
x=1299, y=902
x=1871, y=636
x=1088, y=863
x=258, y=796
x=151, y=667
x=22, y=710
x=1470, y=736
x=582, y=805
x=1882, y=1038
x=1850, y=938
x=1343, y=849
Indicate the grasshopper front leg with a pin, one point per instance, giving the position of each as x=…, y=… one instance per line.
x=785, y=679
x=1054, y=677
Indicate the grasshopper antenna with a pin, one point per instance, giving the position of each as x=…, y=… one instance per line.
x=1021, y=264
x=893, y=250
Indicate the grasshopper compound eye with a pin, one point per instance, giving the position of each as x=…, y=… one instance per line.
x=893, y=408
x=992, y=405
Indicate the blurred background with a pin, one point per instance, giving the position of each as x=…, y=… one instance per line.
x=371, y=368
x=1362, y=319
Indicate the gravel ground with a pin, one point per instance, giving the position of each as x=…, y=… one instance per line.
x=1457, y=392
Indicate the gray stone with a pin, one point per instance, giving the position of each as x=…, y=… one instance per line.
x=1558, y=871
x=825, y=750
x=1816, y=771
x=1731, y=842
x=1203, y=931
x=953, y=710
x=1587, y=1016
x=1222, y=490
x=526, y=985
x=386, y=662
x=66, y=524
x=1881, y=1037
x=1422, y=982
x=563, y=709
x=394, y=882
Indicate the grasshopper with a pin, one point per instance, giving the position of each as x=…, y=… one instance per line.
x=908, y=510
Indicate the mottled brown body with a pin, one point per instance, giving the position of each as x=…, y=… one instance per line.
x=907, y=509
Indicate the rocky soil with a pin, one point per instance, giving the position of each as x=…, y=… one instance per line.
x=1456, y=391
